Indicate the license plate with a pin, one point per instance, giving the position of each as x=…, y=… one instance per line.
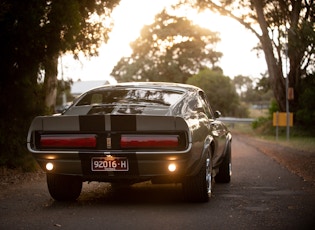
x=109, y=164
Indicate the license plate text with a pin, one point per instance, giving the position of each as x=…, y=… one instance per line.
x=109, y=164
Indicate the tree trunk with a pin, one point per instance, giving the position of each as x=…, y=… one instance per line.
x=295, y=53
x=298, y=43
x=50, y=83
x=274, y=66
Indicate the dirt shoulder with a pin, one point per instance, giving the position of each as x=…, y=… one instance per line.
x=11, y=177
x=299, y=162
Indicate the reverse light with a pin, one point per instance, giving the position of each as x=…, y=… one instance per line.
x=149, y=141
x=49, y=166
x=172, y=167
x=67, y=141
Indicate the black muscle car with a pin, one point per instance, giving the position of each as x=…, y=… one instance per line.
x=133, y=132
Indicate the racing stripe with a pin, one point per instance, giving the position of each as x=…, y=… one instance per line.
x=108, y=126
x=123, y=123
x=92, y=123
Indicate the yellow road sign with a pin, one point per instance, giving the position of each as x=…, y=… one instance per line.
x=280, y=119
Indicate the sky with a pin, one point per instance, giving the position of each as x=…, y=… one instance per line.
x=129, y=18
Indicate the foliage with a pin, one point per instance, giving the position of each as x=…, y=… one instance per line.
x=16, y=114
x=263, y=124
x=71, y=26
x=242, y=84
x=273, y=108
x=20, y=96
x=170, y=49
x=255, y=93
x=64, y=95
x=74, y=25
x=32, y=33
x=286, y=30
x=260, y=121
x=263, y=85
x=220, y=91
x=305, y=116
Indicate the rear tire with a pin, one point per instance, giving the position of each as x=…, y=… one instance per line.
x=198, y=188
x=64, y=187
x=225, y=170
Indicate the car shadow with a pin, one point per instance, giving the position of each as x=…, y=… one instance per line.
x=138, y=194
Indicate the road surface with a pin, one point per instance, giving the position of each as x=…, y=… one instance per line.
x=262, y=195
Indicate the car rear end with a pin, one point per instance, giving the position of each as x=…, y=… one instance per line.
x=111, y=147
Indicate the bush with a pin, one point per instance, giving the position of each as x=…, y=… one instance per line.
x=260, y=121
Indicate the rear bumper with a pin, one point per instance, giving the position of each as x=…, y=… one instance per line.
x=142, y=166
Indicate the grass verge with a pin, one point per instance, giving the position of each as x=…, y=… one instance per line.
x=302, y=143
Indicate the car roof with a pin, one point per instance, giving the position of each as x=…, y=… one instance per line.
x=151, y=85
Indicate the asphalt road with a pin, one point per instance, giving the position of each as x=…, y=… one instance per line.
x=261, y=195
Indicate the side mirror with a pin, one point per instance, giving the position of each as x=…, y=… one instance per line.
x=217, y=114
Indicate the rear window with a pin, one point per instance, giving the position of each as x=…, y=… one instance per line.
x=131, y=96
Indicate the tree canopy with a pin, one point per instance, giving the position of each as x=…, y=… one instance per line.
x=220, y=91
x=33, y=34
x=253, y=91
x=170, y=49
x=285, y=30
x=71, y=26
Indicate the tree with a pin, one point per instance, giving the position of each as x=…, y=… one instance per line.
x=286, y=30
x=20, y=95
x=242, y=84
x=256, y=92
x=76, y=26
x=33, y=34
x=220, y=91
x=64, y=96
x=306, y=115
x=170, y=49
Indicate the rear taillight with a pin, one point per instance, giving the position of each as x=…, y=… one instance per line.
x=67, y=141
x=134, y=141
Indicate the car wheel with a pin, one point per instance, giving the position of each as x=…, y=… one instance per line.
x=225, y=169
x=64, y=187
x=198, y=188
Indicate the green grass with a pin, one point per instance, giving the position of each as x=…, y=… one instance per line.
x=296, y=140
x=301, y=143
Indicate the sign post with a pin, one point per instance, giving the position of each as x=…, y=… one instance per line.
x=282, y=120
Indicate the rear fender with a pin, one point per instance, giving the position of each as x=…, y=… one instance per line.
x=208, y=144
x=227, y=143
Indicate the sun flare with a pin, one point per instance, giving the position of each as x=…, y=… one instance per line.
x=130, y=16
